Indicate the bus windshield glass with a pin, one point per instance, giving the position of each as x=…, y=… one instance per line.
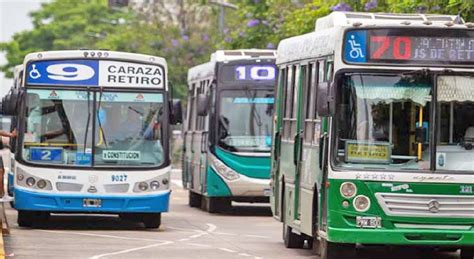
x=60, y=126
x=128, y=129
x=56, y=127
x=382, y=122
x=245, y=120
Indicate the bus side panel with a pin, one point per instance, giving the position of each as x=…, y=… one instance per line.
x=310, y=178
x=216, y=187
x=188, y=160
x=287, y=168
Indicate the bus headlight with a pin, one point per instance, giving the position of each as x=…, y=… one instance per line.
x=361, y=203
x=348, y=190
x=154, y=185
x=223, y=169
x=30, y=181
x=143, y=186
x=41, y=184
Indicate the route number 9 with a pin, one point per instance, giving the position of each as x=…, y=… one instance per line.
x=70, y=72
x=256, y=72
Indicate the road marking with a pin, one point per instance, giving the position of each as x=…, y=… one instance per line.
x=225, y=234
x=244, y=254
x=131, y=250
x=178, y=183
x=227, y=250
x=101, y=235
x=199, y=245
x=244, y=235
x=256, y=236
x=184, y=239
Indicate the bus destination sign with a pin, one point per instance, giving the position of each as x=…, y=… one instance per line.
x=248, y=72
x=409, y=46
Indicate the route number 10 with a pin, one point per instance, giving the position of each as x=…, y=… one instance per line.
x=400, y=47
x=256, y=72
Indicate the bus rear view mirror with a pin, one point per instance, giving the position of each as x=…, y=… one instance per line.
x=420, y=134
x=325, y=100
x=176, y=112
x=9, y=103
x=202, y=104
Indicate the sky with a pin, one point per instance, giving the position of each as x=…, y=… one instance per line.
x=14, y=18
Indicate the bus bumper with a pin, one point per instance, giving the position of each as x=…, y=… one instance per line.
x=244, y=186
x=415, y=237
x=151, y=203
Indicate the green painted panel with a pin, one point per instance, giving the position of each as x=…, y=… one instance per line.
x=254, y=167
x=216, y=187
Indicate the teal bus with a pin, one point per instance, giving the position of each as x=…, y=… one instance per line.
x=228, y=127
x=374, y=133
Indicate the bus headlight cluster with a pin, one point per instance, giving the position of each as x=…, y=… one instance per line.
x=26, y=180
x=348, y=190
x=159, y=183
x=361, y=203
x=223, y=170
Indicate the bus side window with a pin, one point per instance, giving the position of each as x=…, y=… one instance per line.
x=310, y=102
x=294, y=102
x=288, y=103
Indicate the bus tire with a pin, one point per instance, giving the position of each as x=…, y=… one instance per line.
x=215, y=204
x=330, y=250
x=25, y=218
x=467, y=253
x=151, y=220
x=292, y=240
x=194, y=199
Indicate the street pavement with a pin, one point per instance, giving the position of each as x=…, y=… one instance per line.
x=248, y=231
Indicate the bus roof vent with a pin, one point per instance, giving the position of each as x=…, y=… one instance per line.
x=347, y=18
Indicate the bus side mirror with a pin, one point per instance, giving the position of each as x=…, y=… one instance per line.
x=325, y=102
x=176, y=112
x=202, y=104
x=10, y=103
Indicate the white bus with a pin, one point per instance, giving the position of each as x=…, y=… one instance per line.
x=93, y=136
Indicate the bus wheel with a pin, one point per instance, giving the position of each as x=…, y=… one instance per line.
x=152, y=220
x=467, y=253
x=215, y=204
x=292, y=240
x=194, y=199
x=331, y=250
x=25, y=218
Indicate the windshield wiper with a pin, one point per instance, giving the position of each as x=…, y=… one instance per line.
x=255, y=113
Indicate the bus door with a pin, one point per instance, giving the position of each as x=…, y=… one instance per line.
x=188, y=140
x=275, y=199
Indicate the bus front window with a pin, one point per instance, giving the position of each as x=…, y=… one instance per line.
x=55, y=127
x=245, y=120
x=129, y=129
x=377, y=117
x=455, y=139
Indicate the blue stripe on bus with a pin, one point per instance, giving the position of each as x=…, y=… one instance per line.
x=27, y=200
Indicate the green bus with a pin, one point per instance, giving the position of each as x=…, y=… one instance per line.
x=374, y=132
x=228, y=129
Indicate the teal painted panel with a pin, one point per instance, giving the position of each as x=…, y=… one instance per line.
x=254, y=167
x=216, y=187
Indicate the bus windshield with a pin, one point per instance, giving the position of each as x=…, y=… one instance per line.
x=376, y=120
x=245, y=120
x=59, y=127
x=129, y=129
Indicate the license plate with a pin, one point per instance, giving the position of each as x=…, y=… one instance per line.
x=267, y=192
x=92, y=203
x=369, y=222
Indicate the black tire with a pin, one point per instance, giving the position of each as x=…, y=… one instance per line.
x=194, y=199
x=292, y=240
x=151, y=220
x=467, y=253
x=331, y=250
x=215, y=204
x=26, y=218
x=129, y=217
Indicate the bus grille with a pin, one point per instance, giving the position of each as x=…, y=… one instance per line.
x=116, y=188
x=68, y=187
x=426, y=205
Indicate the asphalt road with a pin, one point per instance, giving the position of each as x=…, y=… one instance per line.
x=248, y=231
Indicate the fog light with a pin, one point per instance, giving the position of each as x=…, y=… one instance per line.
x=154, y=185
x=345, y=204
x=165, y=181
x=348, y=190
x=361, y=203
x=143, y=186
x=20, y=177
x=41, y=184
x=30, y=181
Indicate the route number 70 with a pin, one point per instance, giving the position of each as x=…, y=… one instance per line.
x=396, y=47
